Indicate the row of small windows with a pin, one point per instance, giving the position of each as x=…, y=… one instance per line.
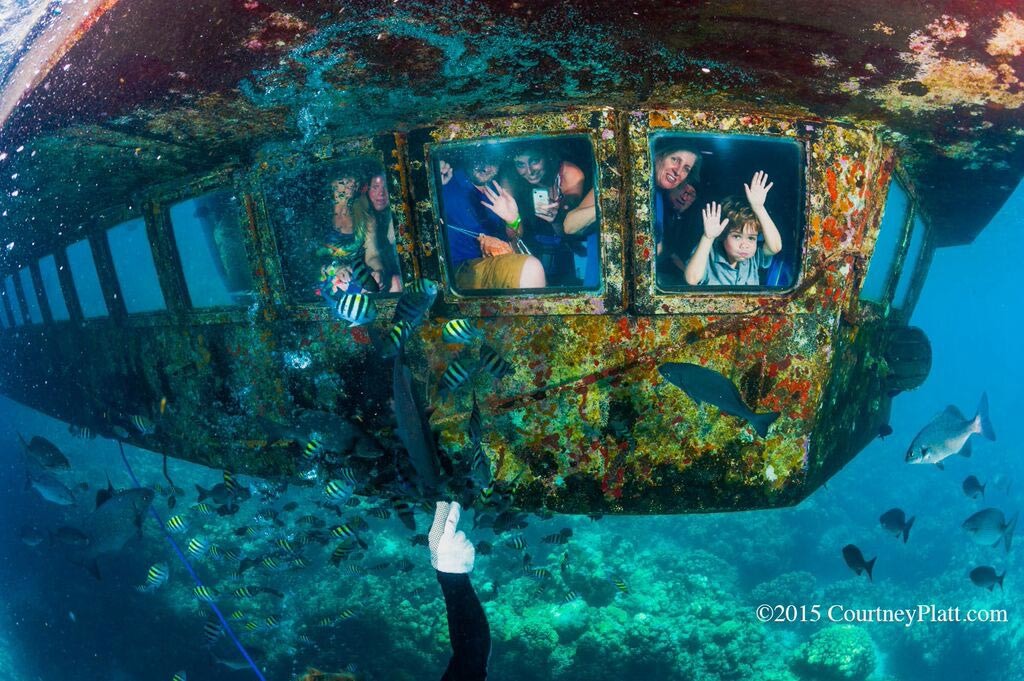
x=205, y=229
x=513, y=214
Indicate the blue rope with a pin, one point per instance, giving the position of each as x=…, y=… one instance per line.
x=195, y=577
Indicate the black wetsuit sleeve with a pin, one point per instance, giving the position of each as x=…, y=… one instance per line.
x=467, y=628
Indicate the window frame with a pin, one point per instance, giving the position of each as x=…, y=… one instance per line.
x=19, y=315
x=649, y=298
x=109, y=298
x=52, y=319
x=172, y=272
x=601, y=127
x=919, y=268
x=44, y=316
x=903, y=243
x=106, y=232
x=385, y=149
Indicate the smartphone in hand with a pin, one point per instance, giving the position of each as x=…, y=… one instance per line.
x=540, y=200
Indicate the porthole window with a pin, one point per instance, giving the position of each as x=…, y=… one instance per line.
x=890, y=235
x=31, y=301
x=12, y=298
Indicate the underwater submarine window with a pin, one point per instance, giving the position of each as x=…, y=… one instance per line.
x=211, y=249
x=12, y=298
x=883, y=259
x=51, y=286
x=87, y=280
x=694, y=172
x=29, y=289
x=135, y=268
x=519, y=213
x=910, y=264
x=335, y=229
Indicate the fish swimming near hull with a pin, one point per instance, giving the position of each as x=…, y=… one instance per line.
x=45, y=453
x=948, y=434
x=48, y=487
x=116, y=521
x=704, y=385
x=413, y=429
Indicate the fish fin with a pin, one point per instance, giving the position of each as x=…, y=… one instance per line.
x=869, y=566
x=938, y=464
x=203, y=493
x=94, y=569
x=762, y=422
x=966, y=451
x=985, y=428
x=952, y=412
x=1008, y=534
x=906, y=528
x=999, y=579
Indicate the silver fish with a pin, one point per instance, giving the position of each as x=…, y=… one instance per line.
x=115, y=521
x=49, y=487
x=988, y=527
x=948, y=434
x=706, y=385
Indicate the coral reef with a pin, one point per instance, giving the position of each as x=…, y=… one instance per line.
x=837, y=653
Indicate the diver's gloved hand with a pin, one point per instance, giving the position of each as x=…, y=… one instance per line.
x=450, y=551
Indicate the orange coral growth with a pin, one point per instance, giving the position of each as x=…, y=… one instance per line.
x=317, y=675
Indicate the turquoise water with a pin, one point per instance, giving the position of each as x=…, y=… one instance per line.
x=694, y=582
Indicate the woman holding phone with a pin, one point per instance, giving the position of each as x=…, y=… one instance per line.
x=557, y=207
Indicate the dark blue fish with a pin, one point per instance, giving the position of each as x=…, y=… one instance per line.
x=986, y=577
x=973, y=488
x=894, y=521
x=855, y=560
x=413, y=429
x=708, y=386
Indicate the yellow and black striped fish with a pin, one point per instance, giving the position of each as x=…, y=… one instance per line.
x=286, y=545
x=560, y=537
x=176, y=523
x=237, y=615
x=252, y=626
x=271, y=621
x=363, y=275
x=298, y=562
x=156, y=576
x=570, y=596
x=229, y=482
x=380, y=513
x=180, y=676
x=143, y=424
x=343, y=531
x=204, y=593
x=314, y=448
x=335, y=489
x=517, y=543
x=460, y=331
x=539, y=573
x=204, y=509
x=197, y=548
x=494, y=363
x=621, y=585
x=270, y=562
x=242, y=592
x=454, y=376
x=395, y=340
x=356, y=309
x=342, y=551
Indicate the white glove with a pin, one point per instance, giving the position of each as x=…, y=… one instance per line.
x=450, y=551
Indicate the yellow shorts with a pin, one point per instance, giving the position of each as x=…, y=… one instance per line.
x=500, y=271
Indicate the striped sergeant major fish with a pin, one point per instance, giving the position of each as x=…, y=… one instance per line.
x=494, y=363
x=460, y=331
x=143, y=424
x=454, y=376
x=356, y=308
x=156, y=577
